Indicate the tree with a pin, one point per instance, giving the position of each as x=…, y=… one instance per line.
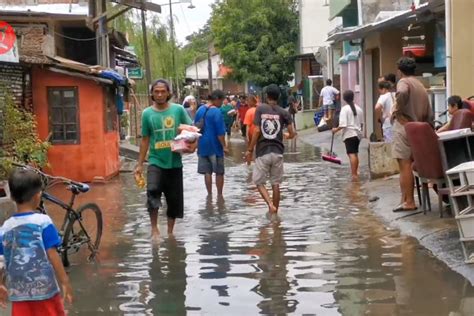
x=159, y=45
x=256, y=39
x=198, y=45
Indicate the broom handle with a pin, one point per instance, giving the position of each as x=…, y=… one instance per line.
x=332, y=143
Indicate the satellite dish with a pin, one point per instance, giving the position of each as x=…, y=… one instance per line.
x=321, y=56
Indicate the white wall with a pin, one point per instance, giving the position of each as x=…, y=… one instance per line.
x=314, y=24
x=202, y=72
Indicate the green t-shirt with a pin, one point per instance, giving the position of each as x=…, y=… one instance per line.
x=225, y=109
x=162, y=128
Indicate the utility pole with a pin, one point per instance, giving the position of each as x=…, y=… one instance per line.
x=175, y=73
x=209, y=68
x=145, y=50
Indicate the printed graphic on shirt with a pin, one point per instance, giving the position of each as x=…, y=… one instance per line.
x=30, y=275
x=164, y=131
x=270, y=125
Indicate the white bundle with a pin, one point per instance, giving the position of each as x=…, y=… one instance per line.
x=188, y=136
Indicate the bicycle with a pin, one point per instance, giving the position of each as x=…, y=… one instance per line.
x=73, y=231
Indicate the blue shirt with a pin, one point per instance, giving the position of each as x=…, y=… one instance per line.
x=209, y=144
x=25, y=237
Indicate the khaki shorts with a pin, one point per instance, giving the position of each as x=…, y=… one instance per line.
x=269, y=165
x=400, y=147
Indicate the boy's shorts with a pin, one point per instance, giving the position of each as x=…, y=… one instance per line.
x=51, y=307
x=168, y=182
x=269, y=165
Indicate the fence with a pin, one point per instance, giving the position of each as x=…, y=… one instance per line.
x=138, y=102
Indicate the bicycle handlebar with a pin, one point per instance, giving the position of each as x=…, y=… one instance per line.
x=66, y=180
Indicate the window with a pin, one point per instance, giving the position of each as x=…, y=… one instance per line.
x=111, y=115
x=63, y=115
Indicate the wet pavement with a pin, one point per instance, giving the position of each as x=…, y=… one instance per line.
x=327, y=254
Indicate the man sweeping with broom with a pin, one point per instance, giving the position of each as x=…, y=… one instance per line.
x=270, y=120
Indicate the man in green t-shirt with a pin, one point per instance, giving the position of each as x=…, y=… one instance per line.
x=160, y=124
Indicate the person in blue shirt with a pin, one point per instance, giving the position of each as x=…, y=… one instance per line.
x=29, y=242
x=212, y=145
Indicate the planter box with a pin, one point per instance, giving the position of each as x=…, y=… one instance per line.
x=381, y=163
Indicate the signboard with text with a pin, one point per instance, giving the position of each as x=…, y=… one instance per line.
x=135, y=73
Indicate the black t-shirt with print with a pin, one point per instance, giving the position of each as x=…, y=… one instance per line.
x=271, y=121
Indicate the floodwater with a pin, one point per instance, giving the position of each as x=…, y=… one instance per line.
x=327, y=254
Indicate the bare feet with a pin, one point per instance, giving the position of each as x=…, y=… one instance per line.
x=155, y=235
x=355, y=178
x=272, y=209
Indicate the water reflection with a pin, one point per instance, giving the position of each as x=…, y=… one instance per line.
x=327, y=255
x=273, y=280
x=168, y=278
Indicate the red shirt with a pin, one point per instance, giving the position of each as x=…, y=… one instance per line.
x=242, y=111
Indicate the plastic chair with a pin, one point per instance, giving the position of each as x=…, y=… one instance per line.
x=469, y=104
x=427, y=161
x=462, y=119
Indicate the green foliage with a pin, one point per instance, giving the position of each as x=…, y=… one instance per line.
x=257, y=38
x=20, y=141
x=160, y=46
x=198, y=45
x=125, y=120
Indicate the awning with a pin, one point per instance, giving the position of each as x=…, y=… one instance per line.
x=96, y=73
x=401, y=18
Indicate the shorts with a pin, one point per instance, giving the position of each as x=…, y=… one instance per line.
x=211, y=164
x=269, y=165
x=51, y=307
x=332, y=106
x=168, y=182
x=352, y=145
x=400, y=146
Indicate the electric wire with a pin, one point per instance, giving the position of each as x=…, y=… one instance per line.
x=79, y=39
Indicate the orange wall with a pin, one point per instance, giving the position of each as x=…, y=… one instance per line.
x=97, y=154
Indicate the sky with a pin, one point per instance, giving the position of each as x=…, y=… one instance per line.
x=186, y=21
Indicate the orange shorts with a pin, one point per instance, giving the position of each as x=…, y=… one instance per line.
x=51, y=307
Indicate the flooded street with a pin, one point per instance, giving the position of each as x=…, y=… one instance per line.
x=326, y=255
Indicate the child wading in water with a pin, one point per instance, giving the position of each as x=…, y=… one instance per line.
x=350, y=122
x=32, y=264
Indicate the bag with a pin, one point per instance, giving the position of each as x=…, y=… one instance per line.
x=202, y=122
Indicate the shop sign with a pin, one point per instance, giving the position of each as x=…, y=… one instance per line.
x=8, y=43
x=135, y=73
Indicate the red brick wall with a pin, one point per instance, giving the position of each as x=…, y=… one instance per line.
x=97, y=155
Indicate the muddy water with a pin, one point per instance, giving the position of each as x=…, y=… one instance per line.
x=325, y=255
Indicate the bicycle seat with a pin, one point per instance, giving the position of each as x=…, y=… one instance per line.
x=80, y=187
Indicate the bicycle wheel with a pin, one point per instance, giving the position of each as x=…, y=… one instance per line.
x=84, y=230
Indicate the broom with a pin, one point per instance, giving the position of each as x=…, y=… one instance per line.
x=330, y=156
